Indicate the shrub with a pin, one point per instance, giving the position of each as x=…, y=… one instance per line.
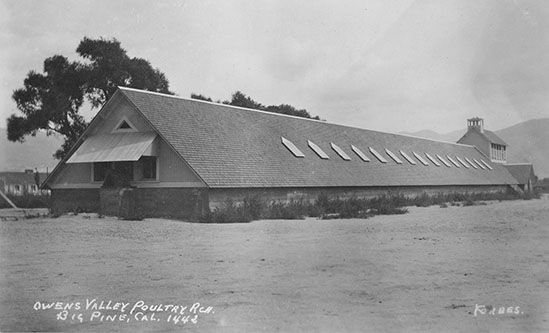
x=388, y=205
x=253, y=206
x=229, y=212
x=250, y=209
x=287, y=211
x=468, y=202
x=326, y=207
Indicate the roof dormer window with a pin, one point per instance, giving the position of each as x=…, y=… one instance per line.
x=318, y=150
x=340, y=152
x=291, y=147
x=421, y=159
x=360, y=154
x=432, y=159
x=408, y=158
x=393, y=156
x=377, y=155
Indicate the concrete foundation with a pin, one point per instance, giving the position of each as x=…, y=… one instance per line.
x=190, y=203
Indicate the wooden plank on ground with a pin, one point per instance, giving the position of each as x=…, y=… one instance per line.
x=8, y=200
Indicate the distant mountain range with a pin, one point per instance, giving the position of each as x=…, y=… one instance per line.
x=528, y=142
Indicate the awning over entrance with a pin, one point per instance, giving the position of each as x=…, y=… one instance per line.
x=114, y=147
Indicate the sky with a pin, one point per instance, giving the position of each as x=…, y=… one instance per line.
x=401, y=65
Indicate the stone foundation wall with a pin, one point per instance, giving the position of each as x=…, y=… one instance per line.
x=183, y=203
x=75, y=200
x=218, y=196
x=109, y=201
x=190, y=203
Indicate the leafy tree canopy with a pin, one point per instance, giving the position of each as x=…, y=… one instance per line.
x=240, y=99
x=51, y=100
x=201, y=97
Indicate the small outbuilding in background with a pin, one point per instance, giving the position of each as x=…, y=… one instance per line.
x=524, y=174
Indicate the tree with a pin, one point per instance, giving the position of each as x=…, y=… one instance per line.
x=200, y=97
x=51, y=101
x=290, y=110
x=240, y=99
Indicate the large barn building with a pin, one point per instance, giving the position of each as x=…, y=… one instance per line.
x=487, y=141
x=183, y=156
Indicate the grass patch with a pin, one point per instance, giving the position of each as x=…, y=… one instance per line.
x=326, y=207
x=231, y=212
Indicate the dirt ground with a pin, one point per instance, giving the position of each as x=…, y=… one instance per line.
x=433, y=269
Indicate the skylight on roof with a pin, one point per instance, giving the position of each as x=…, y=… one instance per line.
x=472, y=164
x=432, y=159
x=317, y=150
x=453, y=161
x=377, y=155
x=340, y=152
x=443, y=160
x=479, y=164
x=393, y=156
x=408, y=158
x=291, y=147
x=487, y=165
x=462, y=162
x=360, y=154
x=421, y=159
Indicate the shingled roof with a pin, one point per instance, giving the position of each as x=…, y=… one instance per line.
x=231, y=147
x=493, y=138
x=521, y=171
x=13, y=177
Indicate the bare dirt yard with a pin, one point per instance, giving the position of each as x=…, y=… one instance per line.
x=471, y=269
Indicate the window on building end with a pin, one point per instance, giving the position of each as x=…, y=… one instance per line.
x=421, y=159
x=360, y=154
x=486, y=164
x=340, y=152
x=471, y=163
x=377, y=155
x=146, y=168
x=432, y=159
x=393, y=156
x=317, y=150
x=453, y=161
x=121, y=172
x=292, y=148
x=479, y=164
x=408, y=158
x=443, y=160
x=462, y=162
x=100, y=170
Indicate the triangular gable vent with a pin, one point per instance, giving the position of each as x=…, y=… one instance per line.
x=124, y=125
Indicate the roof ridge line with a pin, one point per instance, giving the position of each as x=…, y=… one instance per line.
x=283, y=115
x=219, y=104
